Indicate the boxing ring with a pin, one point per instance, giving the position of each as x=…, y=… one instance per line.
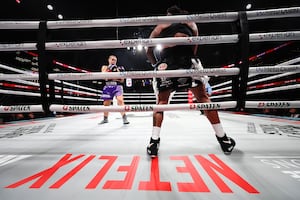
x=73, y=157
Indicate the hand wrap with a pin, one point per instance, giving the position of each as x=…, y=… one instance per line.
x=197, y=65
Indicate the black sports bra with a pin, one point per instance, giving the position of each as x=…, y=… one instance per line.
x=176, y=28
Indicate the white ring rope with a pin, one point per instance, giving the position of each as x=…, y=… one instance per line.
x=222, y=89
x=266, y=70
x=289, y=62
x=144, y=97
x=272, y=104
x=259, y=91
x=68, y=90
x=20, y=93
x=78, y=98
x=221, y=96
x=33, y=94
x=274, y=69
x=150, y=74
x=142, y=108
x=274, y=36
x=24, y=93
x=171, y=73
x=152, y=101
x=275, y=89
x=35, y=78
x=112, y=44
x=35, y=75
x=263, y=91
x=126, y=108
x=147, y=108
x=15, y=70
x=144, y=74
x=126, y=74
x=21, y=109
x=270, y=78
x=153, y=20
x=173, y=107
x=19, y=76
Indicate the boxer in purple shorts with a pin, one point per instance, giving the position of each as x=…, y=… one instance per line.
x=110, y=91
x=113, y=88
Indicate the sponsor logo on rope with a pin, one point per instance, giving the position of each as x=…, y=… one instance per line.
x=205, y=106
x=139, y=108
x=71, y=44
x=205, y=38
x=204, y=71
x=139, y=19
x=78, y=76
x=278, y=12
x=16, y=108
x=276, y=69
x=9, y=46
x=196, y=17
x=134, y=42
x=77, y=108
x=135, y=74
x=72, y=22
x=264, y=36
x=274, y=104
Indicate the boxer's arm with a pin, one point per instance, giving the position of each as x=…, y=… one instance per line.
x=150, y=50
x=104, y=68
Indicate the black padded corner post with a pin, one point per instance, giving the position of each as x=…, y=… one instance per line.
x=235, y=79
x=244, y=64
x=43, y=75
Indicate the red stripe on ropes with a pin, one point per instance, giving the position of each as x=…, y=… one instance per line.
x=60, y=63
x=69, y=67
x=277, y=83
x=261, y=86
x=26, y=87
x=19, y=86
x=252, y=58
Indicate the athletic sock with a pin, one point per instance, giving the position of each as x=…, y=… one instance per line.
x=155, y=132
x=219, y=131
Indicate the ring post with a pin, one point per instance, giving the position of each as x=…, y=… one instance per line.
x=235, y=79
x=42, y=61
x=244, y=64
